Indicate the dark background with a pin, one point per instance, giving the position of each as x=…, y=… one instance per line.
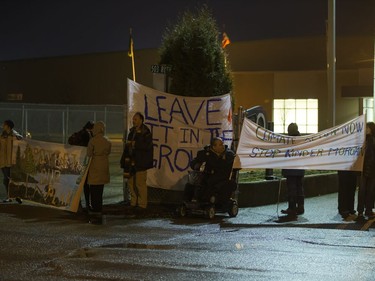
x=43, y=28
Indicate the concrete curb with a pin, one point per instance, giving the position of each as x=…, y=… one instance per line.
x=267, y=192
x=258, y=193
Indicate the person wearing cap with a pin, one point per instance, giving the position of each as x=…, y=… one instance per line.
x=6, y=149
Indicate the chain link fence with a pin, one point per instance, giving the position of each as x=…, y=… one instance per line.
x=55, y=123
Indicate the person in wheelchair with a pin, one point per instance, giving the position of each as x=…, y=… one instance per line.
x=215, y=162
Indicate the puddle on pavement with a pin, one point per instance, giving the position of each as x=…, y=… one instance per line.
x=139, y=246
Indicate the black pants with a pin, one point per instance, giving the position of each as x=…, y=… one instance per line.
x=86, y=192
x=366, y=195
x=6, y=174
x=96, y=197
x=295, y=186
x=346, y=193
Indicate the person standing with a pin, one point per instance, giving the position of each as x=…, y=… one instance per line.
x=136, y=159
x=82, y=138
x=294, y=183
x=346, y=193
x=6, y=149
x=366, y=193
x=98, y=149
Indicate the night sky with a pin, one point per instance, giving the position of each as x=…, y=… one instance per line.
x=43, y=28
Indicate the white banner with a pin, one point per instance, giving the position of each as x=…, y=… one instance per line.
x=47, y=173
x=180, y=126
x=338, y=148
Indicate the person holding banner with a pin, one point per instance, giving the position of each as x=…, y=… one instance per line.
x=6, y=150
x=366, y=193
x=294, y=183
x=136, y=159
x=98, y=149
x=82, y=138
x=346, y=193
x=215, y=161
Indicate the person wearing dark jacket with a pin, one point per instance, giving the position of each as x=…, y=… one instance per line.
x=215, y=161
x=366, y=193
x=82, y=138
x=294, y=183
x=136, y=159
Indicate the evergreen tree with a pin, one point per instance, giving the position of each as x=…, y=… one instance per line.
x=193, y=49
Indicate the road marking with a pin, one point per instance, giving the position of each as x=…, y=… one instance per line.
x=367, y=225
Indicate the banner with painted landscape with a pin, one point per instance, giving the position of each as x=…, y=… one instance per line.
x=50, y=174
x=337, y=148
x=180, y=127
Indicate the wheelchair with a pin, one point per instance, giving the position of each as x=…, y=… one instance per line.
x=208, y=202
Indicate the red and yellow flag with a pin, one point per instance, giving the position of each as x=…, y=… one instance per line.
x=225, y=42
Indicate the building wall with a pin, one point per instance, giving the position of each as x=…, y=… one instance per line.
x=260, y=88
x=262, y=71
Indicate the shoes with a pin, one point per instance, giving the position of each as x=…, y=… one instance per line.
x=345, y=214
x=290, y=212
x=8, y=200
x=300, y=210
x=370, y=214
x=360, y=217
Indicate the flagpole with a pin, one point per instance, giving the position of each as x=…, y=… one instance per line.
x=131, y=52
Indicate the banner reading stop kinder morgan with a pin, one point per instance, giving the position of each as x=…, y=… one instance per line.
x=338, y=148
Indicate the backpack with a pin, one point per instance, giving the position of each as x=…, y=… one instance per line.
x=75, y=138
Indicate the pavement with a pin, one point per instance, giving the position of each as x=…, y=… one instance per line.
x=320, y=212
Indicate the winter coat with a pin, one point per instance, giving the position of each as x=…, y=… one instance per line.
x=143, y=151
x=98, y=149
x=217, y=168
x=293, y=131
x=6, y=147
x=369, y=161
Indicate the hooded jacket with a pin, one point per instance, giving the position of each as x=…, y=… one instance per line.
x=98, y=149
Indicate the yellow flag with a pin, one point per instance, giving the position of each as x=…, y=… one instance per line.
x=131, y=46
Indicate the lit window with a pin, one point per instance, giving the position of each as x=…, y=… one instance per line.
x=368, y=109
x=304, y=112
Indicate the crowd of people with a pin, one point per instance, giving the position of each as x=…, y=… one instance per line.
x=214, y=161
